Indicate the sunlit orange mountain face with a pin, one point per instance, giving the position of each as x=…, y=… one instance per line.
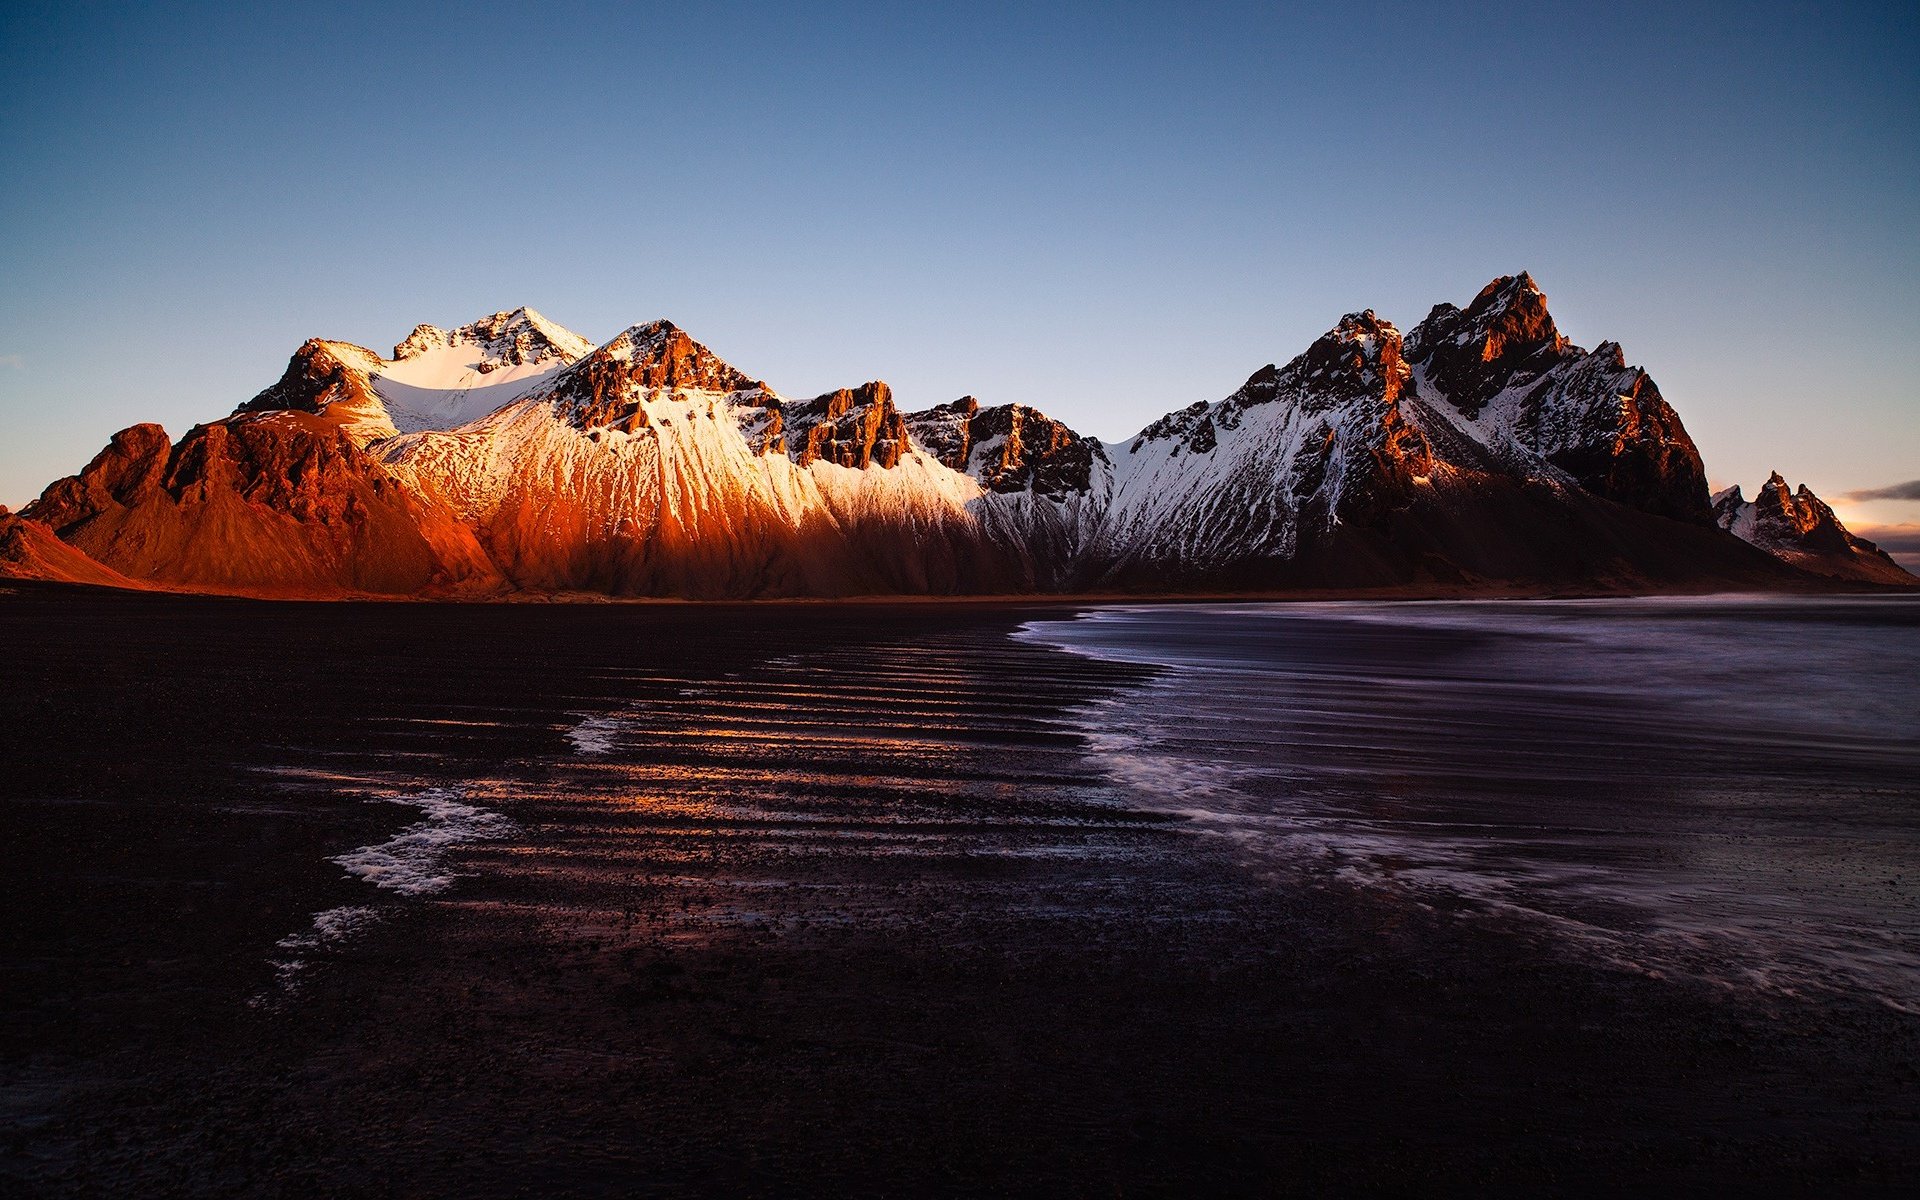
x=1480, y=450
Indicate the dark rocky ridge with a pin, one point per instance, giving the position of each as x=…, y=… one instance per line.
x=852, y=427
x=1801, y=528
x=603, y=389
x=1021, y=449
x=1589, y=414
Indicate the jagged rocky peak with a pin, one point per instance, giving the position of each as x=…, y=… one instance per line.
x=1361, y=356
x=1333, y=406
x=1727, y=503
x=607, y=387
x=1606, y=424
x=319, y=375
x=852, y=427
x=1357, y=362
x=659, y=354
x=1798, y=526
x=133, y=463
x=1358, y=357
x=505, y=339
x=946, y=430
x=1505, y=337
x=1786, y=515
x=1009, y=448
x=1504, y=366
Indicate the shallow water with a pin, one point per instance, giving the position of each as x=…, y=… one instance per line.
x=1723, y=787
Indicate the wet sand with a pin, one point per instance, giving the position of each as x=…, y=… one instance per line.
x=783, y=898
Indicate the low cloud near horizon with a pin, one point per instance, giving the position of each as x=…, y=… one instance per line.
x=1909, y=490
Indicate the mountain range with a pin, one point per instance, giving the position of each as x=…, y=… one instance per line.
x=1479, y=451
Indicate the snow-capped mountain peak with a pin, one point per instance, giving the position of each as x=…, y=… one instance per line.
x=609, y=384
x=1798, y=526
x=1360, y=356
x=1503, y=337
x=1519, y=387
x=436, y=379
x=516, y=337
x=1482, y=445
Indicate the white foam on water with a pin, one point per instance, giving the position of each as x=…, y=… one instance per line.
x=412, y=862
x=333, y=925
x=596, y=734
x=1231, y=735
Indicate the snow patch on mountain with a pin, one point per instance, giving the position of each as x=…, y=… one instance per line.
x=1799, y=528
x=436, y=379
x=1472, y=449
x=1251, y=475
x=442, y=380
x=663, y=479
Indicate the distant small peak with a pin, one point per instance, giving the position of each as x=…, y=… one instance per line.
x=1510, y=293
x=647, y=331
x=1363, y=324
x=528, y=330
x=422, y=339
x=513, y=336
x=1510, y=287
x=508, y=318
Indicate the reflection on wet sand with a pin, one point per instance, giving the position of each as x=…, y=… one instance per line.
x=837, y=759
x=866, y=899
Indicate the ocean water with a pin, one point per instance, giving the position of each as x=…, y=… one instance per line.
x=1724, y=788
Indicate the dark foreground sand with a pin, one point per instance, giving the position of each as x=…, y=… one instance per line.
x=848, y=910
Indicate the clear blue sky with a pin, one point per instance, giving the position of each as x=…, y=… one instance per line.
x=1105, y=213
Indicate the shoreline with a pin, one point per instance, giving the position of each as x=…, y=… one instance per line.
x=1812, y=587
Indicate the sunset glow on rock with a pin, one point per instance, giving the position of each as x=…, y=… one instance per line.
x=507, y=456
x=1117, y=643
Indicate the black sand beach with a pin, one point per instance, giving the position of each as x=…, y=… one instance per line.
x=778, y=899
